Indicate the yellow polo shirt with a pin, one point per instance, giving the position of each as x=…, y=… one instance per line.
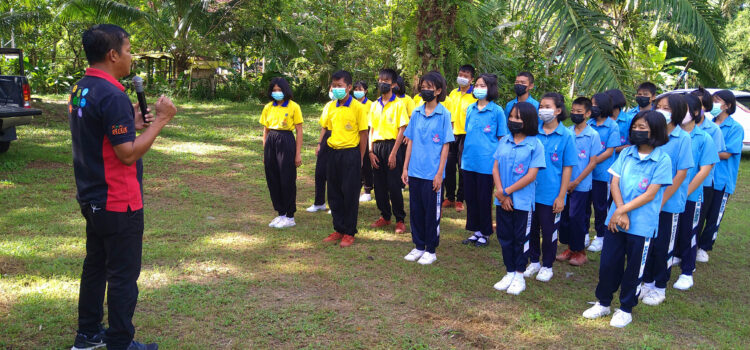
x=345, y=120
x=460, y=102
x=324, y=114
x=367, y=105
x=418, y=102
x=387, y=117
x=409, y=103
x=281, y=116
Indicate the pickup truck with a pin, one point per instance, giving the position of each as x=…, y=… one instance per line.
x=15, y=98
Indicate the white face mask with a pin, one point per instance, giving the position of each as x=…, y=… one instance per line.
x=667, y=115
x=462, y=81
x=688, y=118
x=546, y=114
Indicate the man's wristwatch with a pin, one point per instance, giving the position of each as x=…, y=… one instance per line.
x=505, y=193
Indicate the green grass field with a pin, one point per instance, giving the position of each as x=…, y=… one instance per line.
x=216, y=276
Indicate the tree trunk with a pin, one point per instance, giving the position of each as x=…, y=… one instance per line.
x=435, y=22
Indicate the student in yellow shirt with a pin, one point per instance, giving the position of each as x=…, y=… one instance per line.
x=281, y=152
x=347, y=121
x=360, y=93
x=388, y=120
x=400, y=91
x=321, y=160
x=460, y=100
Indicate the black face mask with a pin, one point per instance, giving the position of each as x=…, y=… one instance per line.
x=638, y=137
x=596, y=112
x=576, y=118
x=384, y=88
x=427, y=95
x=642, y=101
x=519, y=89
x=515, y=127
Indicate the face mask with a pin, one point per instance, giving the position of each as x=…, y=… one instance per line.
x=716, y=110
x=519, y=89
x=330, y=95
x=596, y=112
x=515, y=127
x=339, y=93
x=462, y=81
x=638, y=137
x=277, y=95
x=384, y=88
x=480, y=93
x=359, y=94
x=546, y=114
x=688, y=118
x=642, y=101
x=427, y=95
x=576, y=118
x=667, y=115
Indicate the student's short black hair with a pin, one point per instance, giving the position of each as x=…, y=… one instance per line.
x=491, y=81
x=678, y=105
x=583, y=101
x=604, y=102
x=657, y=124
x=468, y=69
x=283, y=84
x=728, y=98
x=388, y=73
x=100, y=38
x=618, y=98
x=706, y=99
x=694, y=106
x=559, y=103
x=528, y=75
x=362, y=84
x=435, y=79
x=342, y=74
x=648, y=86
x=401, y=86
x=529, y=116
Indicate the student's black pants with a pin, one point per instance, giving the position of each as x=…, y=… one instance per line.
x=112, y=263
x=478, y=202
x=513, y=228
x=686, y=247
x=547, y=222
x=714, y=214
x=424, y=211
x=574, y=222
x=320, y=170
x=281, y=172
x=367, y=180
x=662, y=248
x=388, y=182
x=455, y=150
x=600, y=198
x=343, y=176
x=617, y=247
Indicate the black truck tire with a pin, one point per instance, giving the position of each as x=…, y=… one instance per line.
x=4, y=145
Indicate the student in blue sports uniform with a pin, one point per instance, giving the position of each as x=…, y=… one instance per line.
x=522, y=87
x=705, y=156
x=620, y=116
x=552, y=182
x=674, y=108
x=725, y=176
x=609, y=134
x=485, y=125
x=639, y=177
x=574, y=222
x=428, y=133
x=518, y=158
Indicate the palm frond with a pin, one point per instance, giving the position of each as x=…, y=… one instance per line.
x=101, y=11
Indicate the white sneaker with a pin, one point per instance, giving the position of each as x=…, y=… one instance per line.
x=414, y=254
x=684, y=282
x=545, y=274
x=275, y=221
x=596, y=311
x=285, y=222
x=518, y=285
x=656, y=297
x=505, y=282
x=702, y=256
x=586, y=240
x=313, y=208
x=365, y=197
x=645, y=290
x=329, y=211
x=596, y=244
x=532, y=269
x=427, y=258
x=621, y=319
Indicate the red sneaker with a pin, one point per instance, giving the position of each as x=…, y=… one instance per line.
x=380, y=223
x=447, y=203
x=400, y=227
x=333, y=237
x=347, y=241
x=564, y=256
x=459, y=206
x=578, y=258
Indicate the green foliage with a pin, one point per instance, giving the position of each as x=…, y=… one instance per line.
x=737, y=65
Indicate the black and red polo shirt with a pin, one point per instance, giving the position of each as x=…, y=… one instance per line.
x=101, y=116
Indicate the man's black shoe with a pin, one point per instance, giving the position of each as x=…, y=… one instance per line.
x=89, y=341
x=140, y=346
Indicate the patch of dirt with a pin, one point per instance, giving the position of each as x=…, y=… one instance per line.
x=46, y=165
x=10, y=265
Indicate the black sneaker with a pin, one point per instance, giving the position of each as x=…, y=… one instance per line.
x=88, y=342
x=140, y=346
x=471, y=240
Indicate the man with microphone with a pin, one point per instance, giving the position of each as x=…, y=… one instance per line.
x=108, y=172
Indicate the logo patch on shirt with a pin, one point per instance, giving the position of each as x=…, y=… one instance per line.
x=284, y=123
x=622, y=139
x=582, y=154
x=643, y=185
x=348, y=126
x=487, y=129
x=390, y=119
x=554, y=157
x=119, y=129
x=519, y=169
x=436, y=138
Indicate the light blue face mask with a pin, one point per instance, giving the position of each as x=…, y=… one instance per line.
x=359, y=94
x=667, y=115
x=277, y=95
x=338, y=93
x=480, y=93
x=716, y=110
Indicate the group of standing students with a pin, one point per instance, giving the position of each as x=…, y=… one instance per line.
x=675, y=158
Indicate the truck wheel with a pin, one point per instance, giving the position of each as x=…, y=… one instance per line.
x=4, y=145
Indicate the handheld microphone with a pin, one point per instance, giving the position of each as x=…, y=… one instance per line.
x=138, y=84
